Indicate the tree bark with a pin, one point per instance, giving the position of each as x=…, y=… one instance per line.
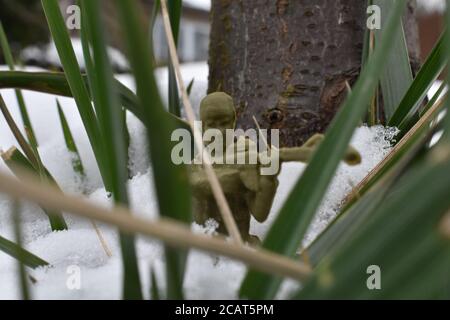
x=286, y=62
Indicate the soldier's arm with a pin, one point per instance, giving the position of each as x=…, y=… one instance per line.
x=305, y=152
x=299, y=154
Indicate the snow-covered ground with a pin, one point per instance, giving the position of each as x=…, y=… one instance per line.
x=207, y=277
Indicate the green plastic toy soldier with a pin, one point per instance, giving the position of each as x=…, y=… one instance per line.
x=248, y=192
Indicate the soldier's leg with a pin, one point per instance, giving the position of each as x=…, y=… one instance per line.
x=244, y=229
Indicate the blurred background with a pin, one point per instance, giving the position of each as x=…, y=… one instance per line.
x=27, y=31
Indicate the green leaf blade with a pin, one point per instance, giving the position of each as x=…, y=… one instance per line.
x=397, y=75
x=174, y=7
x=110, y=120
x=18, y=253
x=77, y=165
x=423, y=190
x=74, y=79
x=418, y=90
x=169, y=179
x=14, y=159
x=20, y=100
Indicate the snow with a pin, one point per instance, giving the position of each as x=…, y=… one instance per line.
x=430, y=6
x=434, y=88
x=207, y=276
x=198, y=4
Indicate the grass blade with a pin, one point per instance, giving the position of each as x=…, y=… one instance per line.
x=13, y=158
x=20, y=100
x=189, y=86
x=423, y=257
x=31, y=161
x=23, y=283
x=93, y=86
x=110, y=119
x=169, y=231
x=86, y=39
x=294, y=218
x=174, y=8
x=127, y=139
x=75, y=80
x=418, y=90
x=408, y=142
x=345, y=224
x=397, y=75
x=77, y=165
x=423, y=189
x=78, y=168
x=56, y=83
x=357, y=212
x=18, y=253
x=31, y=154
x=153, y=17
x=169, y=179
x=409, y=123
x=433, y=100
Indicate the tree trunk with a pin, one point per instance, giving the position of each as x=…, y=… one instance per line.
x=286, y=62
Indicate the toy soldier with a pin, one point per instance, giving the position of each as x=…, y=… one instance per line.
x=247, y=191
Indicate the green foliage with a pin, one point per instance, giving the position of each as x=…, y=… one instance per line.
x=401, y=248
x=20, y=254
x=397, y=74
x=395, y=220
x=16, y=214
x=16, y=160
x=175, y=8
x=169, y=179
x=411, y=102
x=75, y=81
x=56, y=83
x=109, y=115
x=77, y=165
x=20, y=101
